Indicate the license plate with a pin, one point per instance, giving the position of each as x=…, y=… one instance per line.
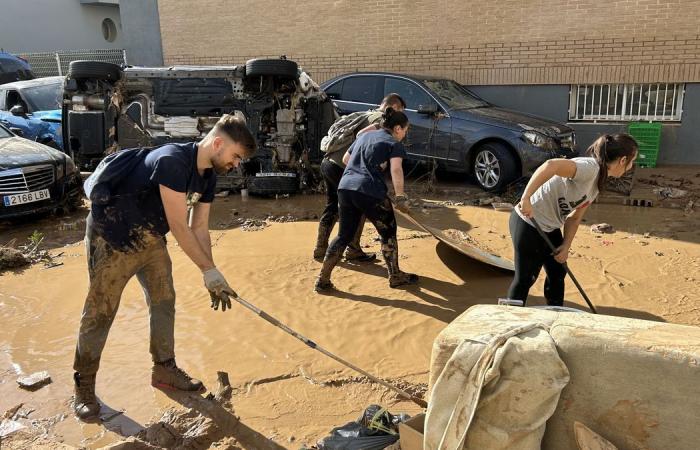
x=29, y=197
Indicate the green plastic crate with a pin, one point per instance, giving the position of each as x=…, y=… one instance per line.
x=648, y=136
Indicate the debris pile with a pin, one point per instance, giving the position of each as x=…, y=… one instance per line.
x=602, y=228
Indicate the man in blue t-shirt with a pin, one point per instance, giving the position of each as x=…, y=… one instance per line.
x=137, y=196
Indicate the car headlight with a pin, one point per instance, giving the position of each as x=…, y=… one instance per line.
x=540, y=140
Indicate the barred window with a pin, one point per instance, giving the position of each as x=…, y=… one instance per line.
x=623, y=102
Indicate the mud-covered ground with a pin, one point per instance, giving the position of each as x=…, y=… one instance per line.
x=648, y=268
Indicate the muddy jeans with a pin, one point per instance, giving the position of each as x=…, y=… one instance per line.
x=109, y=270
x=353, y=206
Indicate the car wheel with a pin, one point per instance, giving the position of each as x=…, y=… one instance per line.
x=94, y=69
x=272, y=184
x=494, y=167
x=271, y=67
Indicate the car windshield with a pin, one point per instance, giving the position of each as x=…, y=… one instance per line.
x=4, y=133
x=454, y=94
x=45, y=97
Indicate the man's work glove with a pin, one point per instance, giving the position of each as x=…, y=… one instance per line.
x=402, y=204
x=218, y=288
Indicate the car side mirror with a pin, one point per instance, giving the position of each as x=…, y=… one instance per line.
x=429, y=110
x=18, y=110
x=17, y=131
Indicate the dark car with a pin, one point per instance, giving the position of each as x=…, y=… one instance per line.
x=13, y=68
x=457, y=130
x=32, y=108
x=106, y=108
x=35, y=178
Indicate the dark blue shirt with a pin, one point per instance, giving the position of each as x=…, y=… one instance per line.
x=134, y=205
x=364, y=172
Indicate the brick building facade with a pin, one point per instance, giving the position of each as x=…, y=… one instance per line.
x=510, y=44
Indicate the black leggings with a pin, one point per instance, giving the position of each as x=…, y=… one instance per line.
x=354, y=205
x=331, y=173
x=531, y=253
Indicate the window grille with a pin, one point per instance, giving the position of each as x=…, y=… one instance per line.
x=626, y=102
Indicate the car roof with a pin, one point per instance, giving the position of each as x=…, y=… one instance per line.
x=413, y=77
x=32, y=83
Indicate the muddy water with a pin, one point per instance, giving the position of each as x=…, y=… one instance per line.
x=280, y=388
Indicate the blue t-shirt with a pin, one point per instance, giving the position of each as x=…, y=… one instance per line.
x=134, y=206
x=364, y=172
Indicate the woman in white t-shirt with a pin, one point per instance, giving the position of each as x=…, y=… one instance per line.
x=558, y=195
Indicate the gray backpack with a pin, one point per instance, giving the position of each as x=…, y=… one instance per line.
x=343, y=131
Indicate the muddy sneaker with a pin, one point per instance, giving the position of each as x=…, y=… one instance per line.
x=85, y=404
x=353, y=255
x=402, y=279
x=323, y=286
x=167, y=375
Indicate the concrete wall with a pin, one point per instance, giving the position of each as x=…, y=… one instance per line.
x=28, y=26
x=475, y=42
x=680, y=143
x=141, y=28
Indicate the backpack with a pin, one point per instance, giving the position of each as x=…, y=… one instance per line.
x=343, y=131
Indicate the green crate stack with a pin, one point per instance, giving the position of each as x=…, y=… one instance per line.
x=648, y=136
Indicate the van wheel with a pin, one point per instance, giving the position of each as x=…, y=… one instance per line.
x=271, y=67
x=94, y=69
x=274, y=184
x=494, y=167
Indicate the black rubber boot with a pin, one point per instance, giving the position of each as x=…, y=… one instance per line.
x=85, y=405
x=390, y=252
x=323, y=283
x=324, y=233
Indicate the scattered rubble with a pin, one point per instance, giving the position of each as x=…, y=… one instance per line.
x=602, y=228
x=252, y=224
x=670, y=192
x=7, y=427
x=35, y=380
x=11, y=258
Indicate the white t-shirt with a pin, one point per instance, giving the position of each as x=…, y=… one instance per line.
x=557, y=198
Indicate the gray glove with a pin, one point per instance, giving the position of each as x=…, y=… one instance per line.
x=402, y=204
x=219, y=290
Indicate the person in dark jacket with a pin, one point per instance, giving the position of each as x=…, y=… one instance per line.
x=332, y=168
x=363, y=192
x=138, y=196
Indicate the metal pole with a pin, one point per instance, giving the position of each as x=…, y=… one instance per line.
x=566, y=266
x=58, y=64
x=420, y=402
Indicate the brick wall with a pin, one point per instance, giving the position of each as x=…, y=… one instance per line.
x=474, y=42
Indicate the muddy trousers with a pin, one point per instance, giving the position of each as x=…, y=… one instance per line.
x=531, y=253
x=332, y=173
x=353, y=207
x=109, y=270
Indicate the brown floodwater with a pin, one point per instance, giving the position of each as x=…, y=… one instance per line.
x=280, y=389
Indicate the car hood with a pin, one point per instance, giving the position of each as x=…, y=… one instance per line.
x=513, y=120
x=53, y=115
x=18, y=152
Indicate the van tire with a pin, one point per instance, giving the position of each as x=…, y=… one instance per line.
x=273, y=185
x=94, y=69
x=271, y=67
